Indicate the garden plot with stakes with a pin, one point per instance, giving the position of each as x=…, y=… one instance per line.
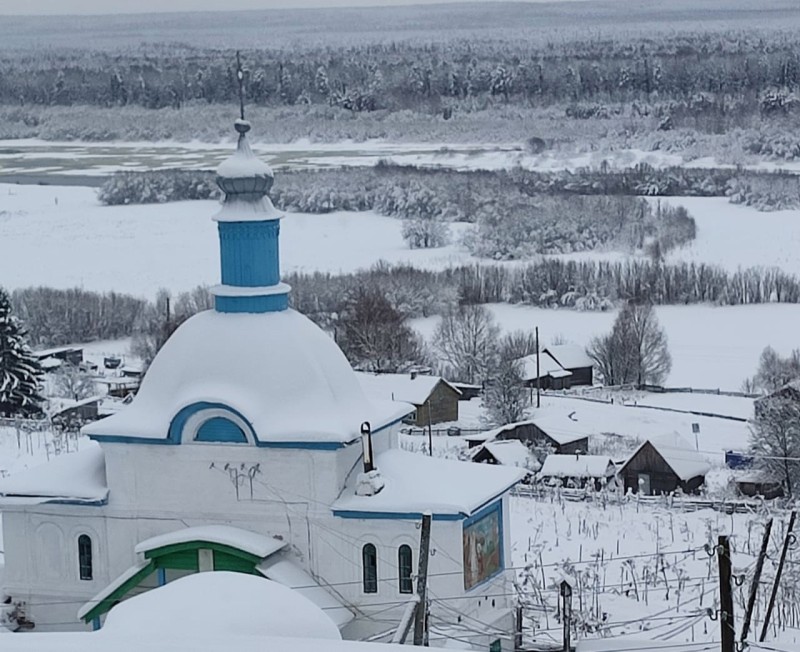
x=644, y=571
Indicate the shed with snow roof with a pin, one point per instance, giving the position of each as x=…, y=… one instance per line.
x=507, y=453
x=574, y=359
x=578, y=470
x=664, y=464
x=550, y=374
x=537, y=434
x=435, y=400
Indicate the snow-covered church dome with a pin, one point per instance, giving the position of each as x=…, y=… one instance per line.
x=251, y=369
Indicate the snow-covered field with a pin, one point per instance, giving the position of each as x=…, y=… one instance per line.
x=62, y=237
x=101, y=158
x=712, y=347
x=637, y=571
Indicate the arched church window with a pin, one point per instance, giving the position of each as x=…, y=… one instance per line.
x=404, y=566
x=85, y=556
x=369, y=560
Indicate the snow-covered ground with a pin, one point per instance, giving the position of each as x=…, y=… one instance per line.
x=137, y=249
x=101, y=158
x=712, y=347
x=636, y=571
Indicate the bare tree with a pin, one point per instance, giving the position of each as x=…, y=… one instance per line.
x=505, y=398
x=466, y=341
x=374, y=336
x=635, y=351
x=775, y=440
x=775, y=371
x=71, y=382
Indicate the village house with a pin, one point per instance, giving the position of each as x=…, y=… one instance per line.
x=664, y=464
x=544, y=434
x=574, y=359
x=251, y=447
x=434, y=399
x=578, y=470
x=549, y=373
x=511, y=452
x=69, y=354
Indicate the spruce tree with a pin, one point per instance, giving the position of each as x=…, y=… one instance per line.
x=20, y=371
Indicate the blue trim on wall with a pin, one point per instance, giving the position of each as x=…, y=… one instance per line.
x=395, y=516
x=173, y=437
x=179, y=420
x=95, y=624
x=220, y=429
x=161, y=574
x=249, y=254
x=256, y=304
x=77, y=501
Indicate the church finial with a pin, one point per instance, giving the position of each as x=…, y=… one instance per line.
x=240, y=79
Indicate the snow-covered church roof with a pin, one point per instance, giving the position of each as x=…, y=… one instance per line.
x=284, y=375
x=269, y=369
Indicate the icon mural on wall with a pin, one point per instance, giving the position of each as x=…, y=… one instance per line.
x=481, y=549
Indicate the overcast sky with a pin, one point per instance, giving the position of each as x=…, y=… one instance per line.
x=61, y=7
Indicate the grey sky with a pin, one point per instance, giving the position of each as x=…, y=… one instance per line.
x=61, y=7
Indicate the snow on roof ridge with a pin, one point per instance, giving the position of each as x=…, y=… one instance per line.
x=576, y=466
x=72, y=476
x=415, y=483
x=226, y=535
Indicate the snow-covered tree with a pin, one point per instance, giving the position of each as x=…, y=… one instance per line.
x=504, y=398
x=775, y=371
x=635, y=352
x=775, y=441
x=374, y=336
x=20, y=372
x=466, y=342
x=71, y=382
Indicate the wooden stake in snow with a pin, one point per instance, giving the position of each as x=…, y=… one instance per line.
x=421, y=619
x=566, y=612
x=786, y=541
x=725, y=595
x=756, y=579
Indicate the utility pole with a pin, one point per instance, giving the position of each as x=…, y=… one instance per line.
x=725, y=595
x=430, y=429
x=538, y=381
x=566, y=612
x=786, y=541
x=751, y=601
x=421, y=619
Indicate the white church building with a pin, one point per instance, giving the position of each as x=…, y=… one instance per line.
x=243, y=452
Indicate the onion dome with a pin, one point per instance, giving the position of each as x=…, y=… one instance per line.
x=249, y=227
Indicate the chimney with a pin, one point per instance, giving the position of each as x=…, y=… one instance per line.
x=370, y=481
x=366, y=447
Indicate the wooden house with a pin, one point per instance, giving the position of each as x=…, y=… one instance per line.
x=69, y=354
x=578, y=470
x=754, y=483
x=435, y=400
x=541, y=441
x=662, y=465
x=574, y=359
x=549, y=373
x=507, y=453
x=790, y=391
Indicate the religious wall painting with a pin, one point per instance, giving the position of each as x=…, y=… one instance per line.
x=482, y=548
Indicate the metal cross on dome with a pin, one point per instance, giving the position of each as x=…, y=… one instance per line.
x=240, y=78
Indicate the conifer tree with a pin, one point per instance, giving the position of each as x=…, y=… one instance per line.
x=20, y=372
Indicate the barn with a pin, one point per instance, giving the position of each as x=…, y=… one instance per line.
x=662, y=465
x=578, y=470
x=507, y=453
x=538, y=435
x=435, y=400
x=549, y=373
x=574, y=359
